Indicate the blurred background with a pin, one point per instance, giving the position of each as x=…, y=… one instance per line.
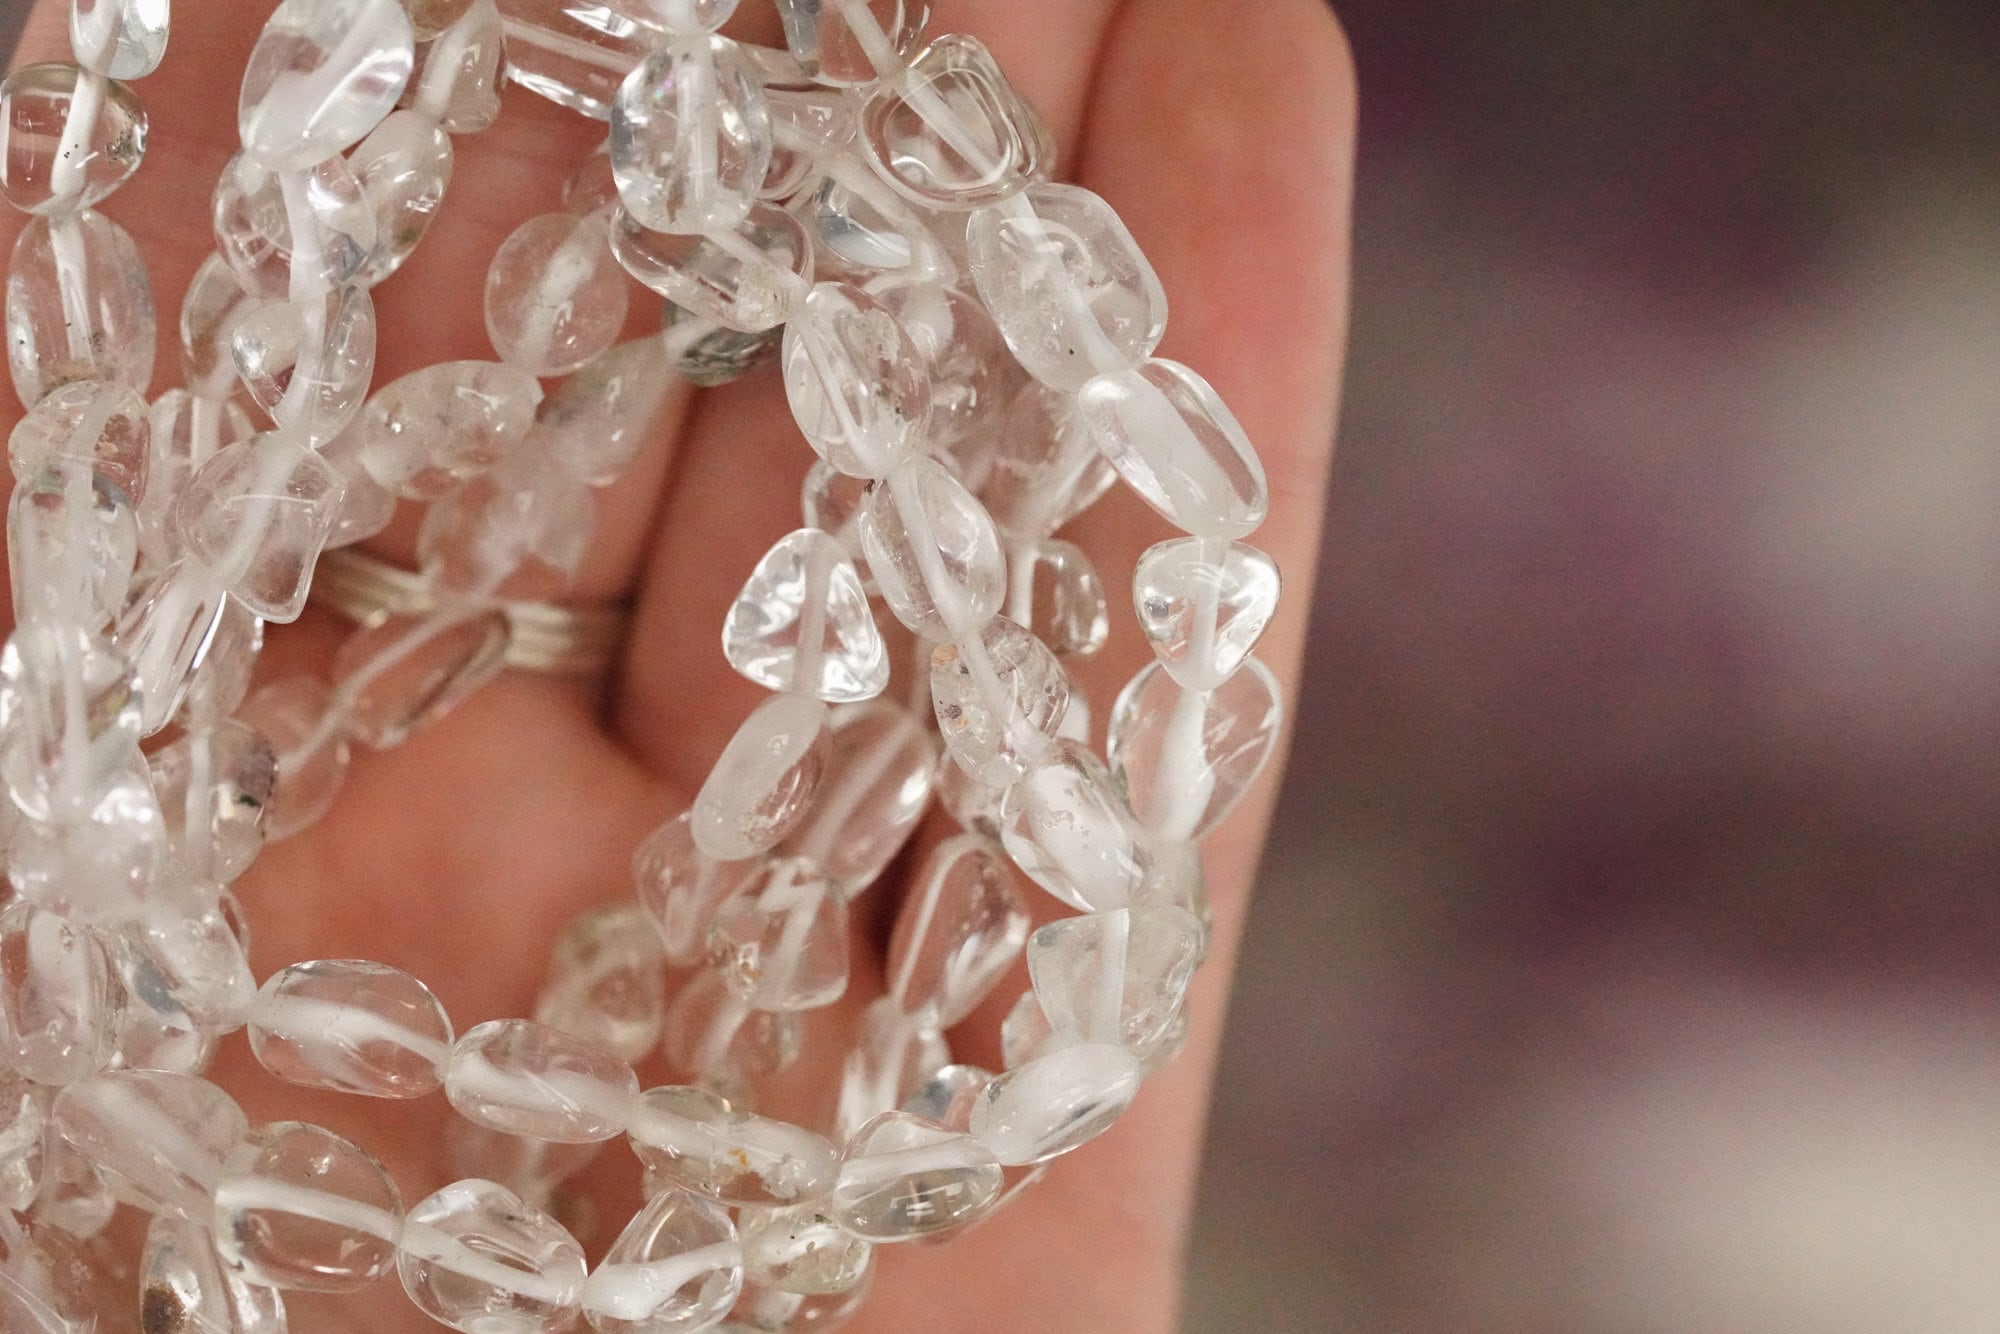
x=1625, y=959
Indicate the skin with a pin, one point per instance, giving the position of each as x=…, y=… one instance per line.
x=1224, y=135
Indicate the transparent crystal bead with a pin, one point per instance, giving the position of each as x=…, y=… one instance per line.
x=881, y=769
x=459, y=84
x=88, y=864
x=525, y=508
x=806, y=124
x=69, y=720
x=408, y=671
x=861, y=229
x=1055, y=1103
x=973, y=376
x=424, y=433
x=529, y=1079
x=1045, y=468
x=553, y=53
x=223, y=682
x=555, y=296
x=695, y=1140
x=183, y=1286
x=58, y=999
x=74, y=1198
x=311, y=760
x=903, y=1177
x=322, y=75
x=201, y=959
x=676, y=1266
x=857, y=384
x=957, y=934
x=1000, y=698
x=155, y=1032
x=308, y=364
x=893, y=1054
x=690, y=137
x=214, y=303
x=596, y=422
x=837, y=48
x=800, y=1248
x=1204, y=605
x=707, y=354
x=1025, y=1033
x=477, y=1257
x=1065, y=824
x=259, y=513
x=165, y=633
x=187, y=431
x=48, y=165
x=948, y=1096
x=933, y=551
x=160, y=1139
x=784, y=945
x=292, y=236
x=1176, y=443
x=1185, y=757
x=951, y=132
x=79, y=306
x=831, y=502
x=351, y=1026
x=1071, y=613
x=534, y=1169
x=680, y=889
x=802, y=622
x=403, y=169
x=713, y=1033
x=101, y=425
x=213, y=786
x=768, y=1310
x=303, y=1209
x=607, y=983
x=750, y=277
x=763, y=782
x=123, y=39
x=24, y=1116
x=1116, y=978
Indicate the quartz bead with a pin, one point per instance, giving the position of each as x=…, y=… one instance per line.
x=213, y=786
x=750, y=277
x=101, y=425
x=972, y=803
x=165, y=633
x=296, y=236
x=957, y=934
x=161, y=1139
x=408, y=671
x=1070, y=611
x=592, y=187
x=1055, y=1103
x=1176, y=443
x=949, y=1095
x=694, y=1139
x=529, y=1079
x=596, y=422
x=478, y=1258
x=857, y=384
x=422, y=434
x=69, y=720
x=1046, y=469
x=224, y=679
x=459, y=85
x=48, y=165
x=881, y=769
x=676, y=1266
x=768, y=1310
x=763, y=782
x=403, y=169
x=712, y=1032
x=155, y=1031
x=214, y=303
x=706, y=354
x=806, y=124
x=933, y=551
x=973, y=376
x=690, y=137
x=800, y=1248
x=351, y=1026
x=783, y=946
x=123, y=39
x=951, y=132
x=534, y=1169
x=893, y=1054
x=24, y=1118
x=79, y=306
x=861, y=229
x=58, y=1002
x=555, y=296
x=802, y=623
x=607, y=983
x=311, y=760
x=88, y=864
x=47, y=1283
x=430, y=18
x=527, y=507
x=903, y=1177
x=183, y=1286
x=1025, y=1033
x=831, y=502
x=1117, y=978
x=202, y=960
x=680, y=889
x=187, y=431
x=308, y=364
x=259, y=513
x=75, y=1199
x=1203, y=606
x=552, y=52
x=1065, y=825
x=1185, y=758
x=322, y=75
x=1000, y=698
x=837, y=47
x=303, y=1209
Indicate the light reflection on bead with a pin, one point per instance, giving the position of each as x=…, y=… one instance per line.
x=903, y=1177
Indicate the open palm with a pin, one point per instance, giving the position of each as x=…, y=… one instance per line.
x=1222, y=132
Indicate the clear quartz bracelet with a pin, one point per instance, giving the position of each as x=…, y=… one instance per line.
x=968, y=350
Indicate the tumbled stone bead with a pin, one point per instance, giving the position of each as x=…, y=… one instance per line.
x=1185, y=757
x=259, y=513
x=429, y=18
x=24, y=1116
x=713, y=1033
x=48, y=1283
x=102, y=425
x=534, y=1169
x=1045, y=468
x=680, y=889
x=124, y=39
x=311, y=760
x=403, y=169
x=893, y=1054
x=322, y=75
x=750, y=277
x=74, y=1197
x=857, y=384
x=555, y=296
x=303, y=1209
x=806, y=124
x=802, y=623
x=706, y=354
x=408, y=671
x=552, y=53
x=948, y=1096
x=903, y=1177
x=1176, y=443
x=160, y=1139
x=183, y=1285
x=69, y=718
x=831, y=502
x=422, y=434
x=607, y=982
x=836, y=48
x=800, y=1248
x=165, y=633
x=49, y=164
x=529, y=1079
x=351, y=1026
x=187, y=431
x=1055, y=1103
x=459, y=84
x=784, y=945
x=957, y=934
x=861, y=229
x=1203, y=606
x=1071, y=613
x=525, y=508
x=155, y=1031
x=292, y=236
x=1000, y=698
x=1025, y=1033
x=88, y=864
x=1116, y=978
x=72, y=539
x=224, y=679
x=213, y=786
x=215, y=301
x=933, y=551
x=596, y=422
x=881, y=769
x=767, y=1310
x=690, y=137
x=951, y=133
x=1065, y=825
x=478, y=1258
x=79, y=306
x=58, y=997
x=202, y=959
x=677, y=1265
x=693, y=1138
x=973, y=376
x=308, y=364
x=764, y=780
